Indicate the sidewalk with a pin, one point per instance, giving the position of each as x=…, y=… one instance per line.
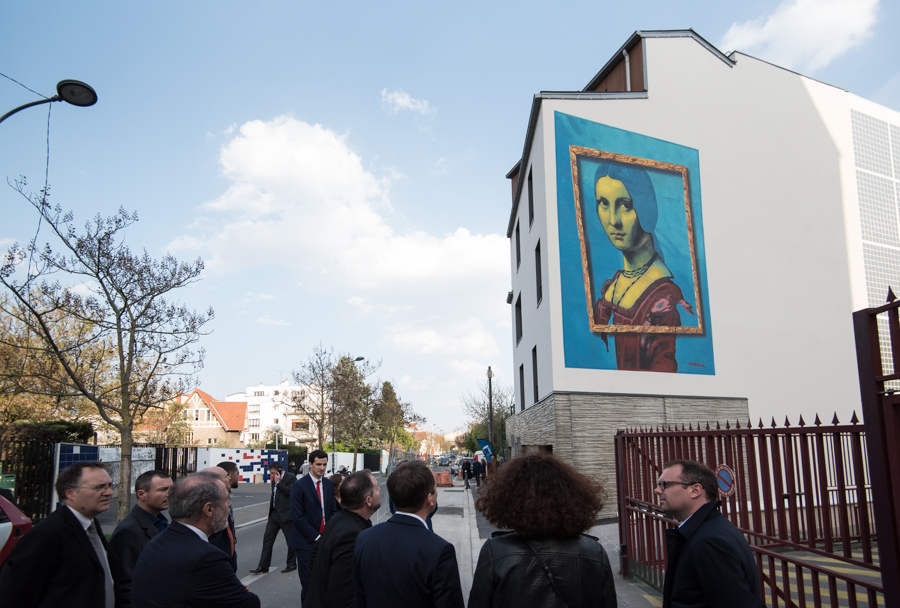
x=460, y=523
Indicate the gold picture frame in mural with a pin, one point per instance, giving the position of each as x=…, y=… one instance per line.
x=579, y=153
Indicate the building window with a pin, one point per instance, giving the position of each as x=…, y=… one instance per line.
x=519, y=318
x=530, y=200
x=209, y=416
x=277, y=393
x=196, y=414
x=190, y=438
x=211, y=441
x=534, y=372
x=254, y=436
x=518, y=248
x=259, y=393
x=276, y=421
x=253, y=408
x=537, y=273
x=300, y=425
x=253, y=423
x=522, y=388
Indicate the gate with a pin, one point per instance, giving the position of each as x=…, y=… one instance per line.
x=803, y=500
x=32, y=462
x=177, y=462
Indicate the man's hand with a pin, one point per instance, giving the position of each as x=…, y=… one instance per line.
x=276, y=477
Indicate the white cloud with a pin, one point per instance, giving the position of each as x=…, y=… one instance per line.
x=467, y=337
x=396, y=101
x=266, y=320
x=254, y=297
x=804, y=35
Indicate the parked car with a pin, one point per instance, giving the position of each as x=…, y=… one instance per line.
x=13, y=526
x=444, y=462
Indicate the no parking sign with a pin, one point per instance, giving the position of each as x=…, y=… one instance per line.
x=725, y=480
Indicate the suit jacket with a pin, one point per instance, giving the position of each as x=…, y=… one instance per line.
x=54, y=565
x=306, y=512
x=330, y=581
x=282, y=498
x=125, y=546
x=178, y=569
x=710, y=563
x=401, y=562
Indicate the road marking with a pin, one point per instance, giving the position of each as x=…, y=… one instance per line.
x=248, y=506
x=255, y=577
x=250, y=523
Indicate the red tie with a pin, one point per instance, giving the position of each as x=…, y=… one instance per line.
x=321, y=504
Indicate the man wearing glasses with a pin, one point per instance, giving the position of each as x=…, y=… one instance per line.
x=709, y=560
x=62, y=561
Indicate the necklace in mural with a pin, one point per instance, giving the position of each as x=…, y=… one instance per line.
x=630, y=274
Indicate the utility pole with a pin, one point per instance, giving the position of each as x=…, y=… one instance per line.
x=490, y=375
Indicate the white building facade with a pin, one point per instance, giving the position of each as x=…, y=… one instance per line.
x=773, y=216
x=271, y=405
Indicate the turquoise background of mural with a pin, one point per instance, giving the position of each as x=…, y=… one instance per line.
x=583, y=348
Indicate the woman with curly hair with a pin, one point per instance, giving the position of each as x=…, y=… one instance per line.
x=546, y=561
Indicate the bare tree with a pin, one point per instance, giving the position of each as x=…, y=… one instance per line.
x=132, y=350
x=314, y=400
x=477, y=406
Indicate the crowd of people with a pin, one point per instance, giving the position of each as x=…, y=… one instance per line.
x=542, y=557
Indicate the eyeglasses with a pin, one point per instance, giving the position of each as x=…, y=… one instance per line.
x=662, y=485
x=101, y=488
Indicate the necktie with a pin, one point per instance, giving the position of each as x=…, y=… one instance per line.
x=101, y=556
x=161, y=524
x=274, y=495
x=319, y=493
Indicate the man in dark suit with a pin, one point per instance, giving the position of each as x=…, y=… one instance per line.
x=709, y=560
x=179, y=568
x=143, y=523
x=62, y=561
x=225, y=539
x=312, y=505
x=279, y=519
x=330, y=581
x=402, y=562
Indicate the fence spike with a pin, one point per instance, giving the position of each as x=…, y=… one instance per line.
x=891, y=297
x=737, y=424
x=749, y=423
x=690, y=426
x=854, y=420
x=718, y=426
x=682, y=427
x=773, y=422
x=802, y=423
x=787, y=422
x=818, y=422
x=727, y=425
x=760, y=423
x=707, y=425
x=835, y=420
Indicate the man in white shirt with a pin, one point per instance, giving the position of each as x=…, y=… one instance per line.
x=63, y=560
x=180, y=567
x=402, y=562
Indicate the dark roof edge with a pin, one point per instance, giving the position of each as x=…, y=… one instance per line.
x=688, y=33
x=532, y=125
x=781, y=67
x=529, y=135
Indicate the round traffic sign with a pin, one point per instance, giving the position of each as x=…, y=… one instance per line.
x=725, y=479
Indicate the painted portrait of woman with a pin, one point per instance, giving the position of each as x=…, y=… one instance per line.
x=644, y=292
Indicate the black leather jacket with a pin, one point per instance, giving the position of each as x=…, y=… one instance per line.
x=510, y=574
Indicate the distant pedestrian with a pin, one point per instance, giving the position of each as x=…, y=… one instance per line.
x=279, y=519
x=466, y=471
x=477, y=468
x=330, y=580
x=179, y=567
x=134, y=532
x=293, y=468
x=709, y=560
x=546, y=560
x=304, y=468
x=401, y=562
x=63, y=560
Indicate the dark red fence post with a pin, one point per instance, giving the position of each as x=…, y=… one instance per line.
x=881, y=416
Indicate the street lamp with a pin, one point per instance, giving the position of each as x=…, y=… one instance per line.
x=490, y=375
x=276, y=428
x=333, y=449
x=71, y=91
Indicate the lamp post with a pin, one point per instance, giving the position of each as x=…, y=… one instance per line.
x=333, y=450
x=276, y=428
x=71, y=91
x=490, y=375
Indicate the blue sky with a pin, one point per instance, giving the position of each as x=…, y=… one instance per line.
x=341, y=168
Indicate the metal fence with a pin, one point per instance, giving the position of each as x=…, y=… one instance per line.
x=177, y=462
x=803, y=499
x=32, y=463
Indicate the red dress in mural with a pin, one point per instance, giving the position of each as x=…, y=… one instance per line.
x=656, y=306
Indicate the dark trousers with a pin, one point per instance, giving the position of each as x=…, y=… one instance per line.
x=466, y=478
x=302, y=554
x=477, y=480
x=271, y=533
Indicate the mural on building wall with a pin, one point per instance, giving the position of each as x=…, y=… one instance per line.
x=632, y=261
